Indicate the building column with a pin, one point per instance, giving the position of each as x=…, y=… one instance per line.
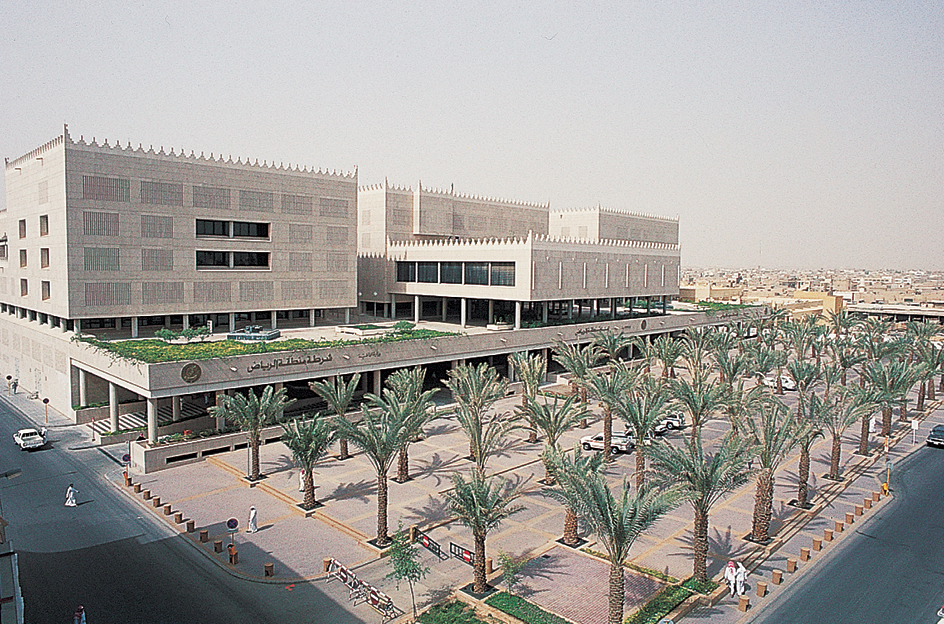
x=416, y=308
x=570, y=309
x=83, y=388
x=77, y=324
x=363, y=383
x=544, y=311
x=393, y=307
x=377, y=382
x=275, y=319
x=665, y=303
x=134, y=326
x=175, y=406
x=648, y=305
x=517, y=315
x=62, y=325
x=152, y=421
x=462, y=312
x=220, y=420
x=232, y=321
x=347, y=316
x=511, y=369
x=491, y=311
x=311, y=317
x=112, y=407
x=612, y=307
x=444, y=306
x=186, y=321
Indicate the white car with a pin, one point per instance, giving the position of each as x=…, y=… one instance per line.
x=675, y=420
x=787, y=382
x=29, y=439
x=620, y=442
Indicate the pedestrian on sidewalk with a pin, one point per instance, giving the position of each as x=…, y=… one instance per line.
x=44, y=433
x=252, y=521
x=14, y=384
x=79, y=616
x=70, y=495
x=740, y=578
x=730, y=577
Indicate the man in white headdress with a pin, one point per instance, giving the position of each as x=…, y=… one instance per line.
x=730, y=577
x=70, y=496
x=252, y=520
x=740, y=578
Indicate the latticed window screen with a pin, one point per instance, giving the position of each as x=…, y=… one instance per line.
x=332, y=207
x=157, y=226
x=298, y=233
x=476, y=273
x=336, y=261
x=100, y=188
x=255, y=200
x=256, y=291
x=299, y=261
x=332, y=289
x=157, y=259
x=162, y=292
x=297, y=204
x=211, y=197
x=337, y=235
x=102, y=259
x=107, y=293
x=503, y=273
x=99, y=223
x=212, y=292
x=297, y=290
x=162, y=193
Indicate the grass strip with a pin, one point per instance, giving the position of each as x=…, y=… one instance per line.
x=522, y=609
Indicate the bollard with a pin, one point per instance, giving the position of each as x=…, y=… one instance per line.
x=761, y=589
x=190, y=526
x=127, y=479
x=233, y=555
x=146, y=494
x=168, y=510
x=850, y=517
x=791, y=565
x=804, y=554
x=859, y=510
x=744, y=603
x=204, y=536
x=828, y=535
x=137, y=488
x=218, y=546
x=867, y=503
x=838, y=526
x=156, y=501
x=488, y=566
x=817, y=544
x=325, y=565
x=776, y=577
x=269, y=569
x=178, y=517
x=876, y=496
x=414, y=533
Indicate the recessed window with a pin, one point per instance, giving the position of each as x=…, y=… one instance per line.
x=213, y=259
x=22, y=228
x=250, y=230
x=450, y=272
x=207, y=227
x=503, y=274
x=45, y=287
x=44, y=257
x=250, y=259
x=476, y=273
x=44, y=225
x=22, y=258
x=406, y=271
x=427, y=272
x=24, y=287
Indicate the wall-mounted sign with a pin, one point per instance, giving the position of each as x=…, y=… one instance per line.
x=191, y=372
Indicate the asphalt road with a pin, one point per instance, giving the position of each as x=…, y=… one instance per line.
x=893, y=568
x=112, y=557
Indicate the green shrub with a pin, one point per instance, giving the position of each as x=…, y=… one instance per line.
x=522, y=609
x=700, y=588
x=452, y=612
x=668, y=578
x=659, y=605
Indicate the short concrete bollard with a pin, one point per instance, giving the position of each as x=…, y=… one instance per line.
x=839, y=526
x=828, y=535
x=817, y=544
x=233, y=555
x=776, y=577
x=325, y=565
x=156, y=501
x=168, y=510
x=850, y=517
x=804, y=554
x=269, y=569
x=488, y=566
x=218, y=546
x=791, y=565
x=859, y=510
x=761, y=589
x=178, y=517
x=204, y=536
x=137, y=488
x=414, y=533
x=146, y=494
x=127, y=480
x=744, y=603
x=190, y=526
x=876, y=496
x=867, y=503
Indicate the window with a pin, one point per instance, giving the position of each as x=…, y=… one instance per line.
x=251, y=259
x=22, y=258
x=211, y=197
x=162, y=193
x=102, y=259
x=22, y=228
x=44, y=257
x=205, y=227
x=503, y=274
x=331, y=207
x=255, y=200
x=44, y=225
x=212, y=259
x=250, y=230
x=99, y=188
x=406, y=271
x=476, y=273
x=450, y=273
x=427, y=272
x=24, y=287
x=157, y=226
x=100, y=223
x=45, y=287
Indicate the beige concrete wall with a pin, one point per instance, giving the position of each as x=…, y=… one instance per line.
x=443, y=213
x=39, y=357
x=596, y=224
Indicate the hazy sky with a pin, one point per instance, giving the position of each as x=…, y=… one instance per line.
x=783, y=134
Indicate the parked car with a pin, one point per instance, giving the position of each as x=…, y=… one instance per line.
x=787, y=382
x=936, y=437
x=29, y=439
x=620, y=442
x=675, y=420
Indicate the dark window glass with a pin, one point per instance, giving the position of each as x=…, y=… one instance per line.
x=406, y=271
x=427, y=272
x=212, y=259
x=205, y=227
x=450, y=272
x=252, y=230
x=476, y=273
x=503, y=274
x=250, y=259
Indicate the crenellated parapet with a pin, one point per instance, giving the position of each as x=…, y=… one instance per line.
x=39, y=151
x=515, y=241
x=477, y=198
x=607, y=242
x=617, y=211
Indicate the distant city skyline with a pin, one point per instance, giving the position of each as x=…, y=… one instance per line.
x=793, y=135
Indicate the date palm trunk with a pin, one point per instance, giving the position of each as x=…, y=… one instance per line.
x=309, y=483
x=479, y=585
x=570, y=528
x=920, y=404
x=700, y=546
x=640, y=466
x=343, y=448
x=886, y=420
x=803, y=477
x=903, y=411
x=864, y=436
x=931, y=396
x=403, y=465
x=607, y=432
x=615, y=615
x=835, y=456
x=254, y=472
x=763, y=503
x=382, y=537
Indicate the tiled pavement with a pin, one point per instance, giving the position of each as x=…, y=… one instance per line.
x=568, y=582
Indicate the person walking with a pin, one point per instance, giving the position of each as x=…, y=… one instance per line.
x=252, y=521
x=79, y=616
x=70, y=495
x=43, y=432
x=14, y=384
x=730, y=577
x=740, y=578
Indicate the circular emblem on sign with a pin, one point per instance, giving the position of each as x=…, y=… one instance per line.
x=191, y=372
x=232, y=523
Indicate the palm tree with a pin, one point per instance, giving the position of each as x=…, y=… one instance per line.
x=553, y=420
x=841, y=323
x=668, y=351
x=406, y=385
x=873, y=400
x=616, y=521
x=642, y=409
x=891, y=382
x=609, y=387
x=309, y=440
x=338, y=394
x=565, y=468
x=700, y=399
x=703, y=480
x=696, y=346
x=532, y=370
x=646, y=350
x=379, y=434
x=846, y=357
x=475, y=390
x=611, y=343
x=579, y=361
x=838, y=415
x=810, y=418
x=252, y=413
x=481, y=504
x=731, y=366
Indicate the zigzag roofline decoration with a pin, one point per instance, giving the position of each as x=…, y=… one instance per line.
x=385, y=186
x=518, y=241
x=139, y=150
x=618, y=211
x=493, y=200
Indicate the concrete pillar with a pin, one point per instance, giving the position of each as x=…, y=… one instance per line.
x=152, y=421
x=517, y=315
x=665, y=303
x=443, y=304
x=252, y=317
x=491, y=311
x=363, y=383
x=377, y=382
x=83, y=386
x=77, y=324
x=347, y=316
x=232, y=321
x=186, y=321
x=462, y=312
x=220, y=421
x=386, y=310
x=134, y=326
x=311, y=317
x=544, y=311
x=175, y=406
x=416, y=308
x=62, y=325
x=393, y=307
x=112, y=407
x=275, y=320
